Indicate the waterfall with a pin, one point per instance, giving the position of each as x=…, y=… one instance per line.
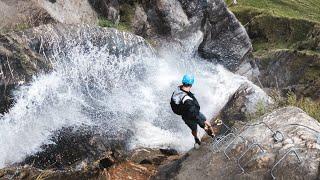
x=115, y=94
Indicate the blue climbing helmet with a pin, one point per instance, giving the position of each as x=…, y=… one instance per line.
x=188, y=79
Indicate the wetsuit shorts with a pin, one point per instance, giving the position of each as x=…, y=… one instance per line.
x=192, y=123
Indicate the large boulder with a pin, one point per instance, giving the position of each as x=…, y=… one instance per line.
x=70, y=11
x=225, y=40
x=246, y=103
x=172, y=15
x=300, y=134
x=107, y=8
x=21, y=14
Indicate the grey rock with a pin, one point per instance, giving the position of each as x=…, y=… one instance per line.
x=246, y=102
x=18, y=15
x=225, y=39
x=71, y=146
x=172, y=15
x=70, y=11
x=140, y=22
x=107, y=8
x=169, y=152
x=204, y=164
x=18, y=63
x=288, y=70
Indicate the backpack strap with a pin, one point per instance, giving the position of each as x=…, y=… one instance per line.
x=185, y=97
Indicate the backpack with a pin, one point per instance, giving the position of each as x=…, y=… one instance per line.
x=177, y=108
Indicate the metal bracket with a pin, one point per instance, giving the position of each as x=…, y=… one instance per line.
x=215, y=145
x=251, y=146
x=225, y=150
x=277, y=135
x=288, y=152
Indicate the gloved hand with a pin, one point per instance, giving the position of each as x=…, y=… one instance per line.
x=218, y=122
x=209, y=131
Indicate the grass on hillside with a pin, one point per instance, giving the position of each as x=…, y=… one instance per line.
x=312, y=108
x=279, y=24
x=300, y=9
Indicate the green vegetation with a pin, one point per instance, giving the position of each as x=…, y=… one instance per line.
x=310, y=107
x=261, y=110
x=21, y=26
x=300, y=9
x=280, y=24
x=103, y=22
x=16, y=27
x=126, y=16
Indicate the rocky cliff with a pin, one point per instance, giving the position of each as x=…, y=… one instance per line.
x=282, y=144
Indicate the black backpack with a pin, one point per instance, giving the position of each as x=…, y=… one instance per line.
x=177, y=108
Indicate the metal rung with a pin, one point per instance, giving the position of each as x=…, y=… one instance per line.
x=215, y=145
x=251, y=146
x=228, y=128
x=225, y=150
x=262, y=122
x=288, y=152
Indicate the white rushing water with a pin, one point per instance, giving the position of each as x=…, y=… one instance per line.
x=89, y=87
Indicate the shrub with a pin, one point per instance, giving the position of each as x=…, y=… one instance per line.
x=103, y=22
x=306, y=104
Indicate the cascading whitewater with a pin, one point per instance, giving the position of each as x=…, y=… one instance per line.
x=90, y=85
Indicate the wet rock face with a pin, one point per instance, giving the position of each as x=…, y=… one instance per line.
x=18, y=63
x=291, y=122
x=225, y=39
x=112, y=164
x=52, y=38
x=71, y=147
x=25, y=54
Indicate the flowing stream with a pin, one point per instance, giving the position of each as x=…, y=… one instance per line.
x=114, y=94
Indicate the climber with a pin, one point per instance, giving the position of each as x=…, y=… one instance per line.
x=184, y=103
